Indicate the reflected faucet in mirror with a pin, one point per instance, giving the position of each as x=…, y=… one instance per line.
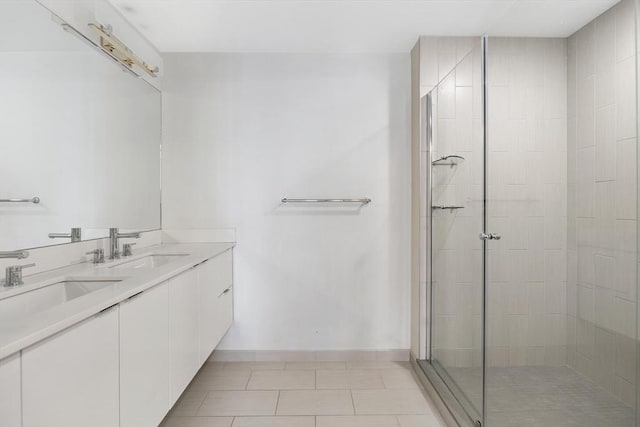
x=75, y=235
x=114, y=236
x=14, y=254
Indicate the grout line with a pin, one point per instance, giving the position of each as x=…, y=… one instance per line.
x=353, y=404
x=202, y=403
x=246, y=385
x=277, y=403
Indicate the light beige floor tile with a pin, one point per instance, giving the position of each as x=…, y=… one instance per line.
x=192, y=396
x=420, y=421
x=357, y=421
x=316, y=365
x=185, y=409
x=239, y=403
x=220, y=380
x=315, y=402
x=254, y=366
x=399, y=402
x=399, y=379
x=282, y=380
x=349, y=379
x=212, y=366
x=274, y=422
x=378, y=365
x=197, y=422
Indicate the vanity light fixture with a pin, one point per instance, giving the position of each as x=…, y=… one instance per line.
x=119, y=51
x=69, y=29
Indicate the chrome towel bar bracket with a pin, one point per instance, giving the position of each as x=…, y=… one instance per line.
x=447, y=207
x=34, y=200
x=363, y=201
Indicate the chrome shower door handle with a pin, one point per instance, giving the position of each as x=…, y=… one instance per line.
x=490, y=236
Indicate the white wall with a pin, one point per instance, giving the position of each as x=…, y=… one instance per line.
x=241, y=131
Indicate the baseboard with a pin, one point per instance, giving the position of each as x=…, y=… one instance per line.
x=395, y=355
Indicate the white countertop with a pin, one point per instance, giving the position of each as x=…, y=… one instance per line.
x=23, y=332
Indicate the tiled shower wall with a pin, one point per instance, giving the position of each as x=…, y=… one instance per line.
x=601, y=287
x=527, y=206
x=526, y=201
x=433, y=58
x=456, y=250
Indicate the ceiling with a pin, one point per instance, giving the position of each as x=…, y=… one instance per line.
x=345, y=25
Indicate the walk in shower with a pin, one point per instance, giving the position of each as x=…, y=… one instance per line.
x=531, y=245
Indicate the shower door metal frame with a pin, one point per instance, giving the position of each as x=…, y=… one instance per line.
x=455, y=400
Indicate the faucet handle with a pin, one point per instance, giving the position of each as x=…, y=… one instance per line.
x=33, y=264
x=98, y=255
x=127, y=250
x=14, y=274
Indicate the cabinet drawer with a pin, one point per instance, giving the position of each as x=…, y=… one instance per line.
x=217, y=272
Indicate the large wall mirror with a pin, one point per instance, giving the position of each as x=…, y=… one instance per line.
x=76, y=131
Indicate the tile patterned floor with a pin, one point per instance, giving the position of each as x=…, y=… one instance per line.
x=304, y=394
x=545, y=396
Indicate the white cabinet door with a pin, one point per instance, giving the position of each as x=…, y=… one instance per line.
x=10, y=414
x=144, y=358
x=183, y=332
x=215, y=279
x=71, y=378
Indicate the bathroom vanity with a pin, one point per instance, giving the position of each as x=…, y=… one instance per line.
x=112, y=344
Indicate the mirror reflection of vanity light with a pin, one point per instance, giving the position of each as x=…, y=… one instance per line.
x=119, y=51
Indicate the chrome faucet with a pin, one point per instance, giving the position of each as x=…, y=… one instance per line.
x=14, y=254
x=75, y=235
x=114, y=247
x=14, y=275
x=98, y=255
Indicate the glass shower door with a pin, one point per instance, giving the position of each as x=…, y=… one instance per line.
x=456, y=129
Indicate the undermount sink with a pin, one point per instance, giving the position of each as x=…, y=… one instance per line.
x=38, y=300
x=149, y=261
